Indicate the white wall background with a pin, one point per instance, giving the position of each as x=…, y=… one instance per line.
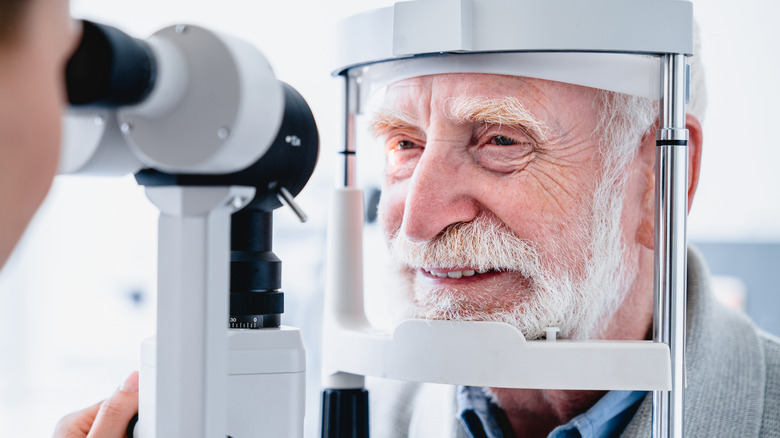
x=69, y=330
x=739, y=190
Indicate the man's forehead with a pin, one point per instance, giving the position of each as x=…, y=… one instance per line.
x=418, y=93
x=415, y=100
x=466, y=84
x=556, y=104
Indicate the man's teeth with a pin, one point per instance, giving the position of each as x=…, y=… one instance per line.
x=458, y=274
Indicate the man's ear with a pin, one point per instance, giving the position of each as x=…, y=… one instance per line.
x=646, y=231
x=695, y=141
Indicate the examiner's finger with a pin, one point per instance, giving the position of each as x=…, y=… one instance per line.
x=115, y=412
x=76, y=424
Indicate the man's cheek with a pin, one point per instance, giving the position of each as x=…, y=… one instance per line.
x=390, y=210
x=389, y=221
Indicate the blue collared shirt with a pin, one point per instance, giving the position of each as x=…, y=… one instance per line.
x=607, y=418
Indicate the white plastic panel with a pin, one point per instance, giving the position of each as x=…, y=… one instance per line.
x=638, y=75
x=266, y=383
x=93, y=145
x=266, y=351
x=494, y=354
x=435, y=26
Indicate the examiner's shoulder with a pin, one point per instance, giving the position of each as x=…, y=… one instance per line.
x=770, y=426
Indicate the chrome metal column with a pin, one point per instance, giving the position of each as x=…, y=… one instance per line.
x=349, y=162
x=671, y=211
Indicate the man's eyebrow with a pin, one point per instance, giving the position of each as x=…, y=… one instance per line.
x=386, y=118
x=497, y=111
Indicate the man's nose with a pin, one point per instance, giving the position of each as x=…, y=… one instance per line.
x=439, y=194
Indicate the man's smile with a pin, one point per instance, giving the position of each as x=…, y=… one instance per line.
x=456, y=273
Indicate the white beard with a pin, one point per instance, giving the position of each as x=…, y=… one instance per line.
x=554, y=295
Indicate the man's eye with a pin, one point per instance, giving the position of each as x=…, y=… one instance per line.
x=500, y=140
x=403, y=145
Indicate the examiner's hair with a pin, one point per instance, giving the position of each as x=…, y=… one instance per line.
x=11, y=14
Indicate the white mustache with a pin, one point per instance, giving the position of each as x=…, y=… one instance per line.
x=482, y=244
x=553, y=296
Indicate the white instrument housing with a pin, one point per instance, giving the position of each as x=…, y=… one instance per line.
x=215, y=102
x=215, y=108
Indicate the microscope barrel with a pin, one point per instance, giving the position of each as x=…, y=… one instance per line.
x=255, y=272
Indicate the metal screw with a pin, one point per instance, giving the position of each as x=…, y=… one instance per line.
x=99, y=121
x=238, y=202
x=223, y=133
x=126, y=128
x=293, y=140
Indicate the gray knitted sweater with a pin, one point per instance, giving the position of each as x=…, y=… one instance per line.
x=733, y=381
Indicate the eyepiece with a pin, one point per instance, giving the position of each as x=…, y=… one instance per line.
x=109, y=68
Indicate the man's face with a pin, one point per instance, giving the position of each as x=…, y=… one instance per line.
x=489, y=204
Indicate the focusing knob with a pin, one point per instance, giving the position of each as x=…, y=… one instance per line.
x=252, y=310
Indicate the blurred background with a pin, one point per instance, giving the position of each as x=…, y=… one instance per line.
x=77, y=297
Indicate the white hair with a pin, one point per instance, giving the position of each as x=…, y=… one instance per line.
x=625, y=119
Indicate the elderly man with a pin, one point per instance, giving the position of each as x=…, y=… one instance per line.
x=531, y=202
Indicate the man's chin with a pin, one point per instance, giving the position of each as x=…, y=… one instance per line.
x=455, y=305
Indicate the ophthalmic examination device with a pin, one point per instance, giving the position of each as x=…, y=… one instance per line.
x=219, y=143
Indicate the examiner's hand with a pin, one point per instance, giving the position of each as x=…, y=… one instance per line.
x=107, y=419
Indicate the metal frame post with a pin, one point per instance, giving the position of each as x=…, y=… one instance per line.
x=671, y=210
x=349, y=164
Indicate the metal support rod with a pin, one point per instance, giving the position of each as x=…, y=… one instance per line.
x=671, y=209
x=350, y=112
